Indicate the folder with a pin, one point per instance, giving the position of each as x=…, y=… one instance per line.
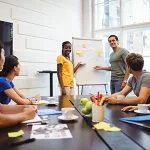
x=137, y=120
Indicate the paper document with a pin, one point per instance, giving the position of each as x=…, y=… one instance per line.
x=43, y=112
x=36, y=119
x=59, y=131
x=43, y=102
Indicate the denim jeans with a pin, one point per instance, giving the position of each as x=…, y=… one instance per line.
x=115, y=86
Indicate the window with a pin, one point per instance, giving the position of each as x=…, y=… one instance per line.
x=135, y=11
x=107, y=14
x=128, y=19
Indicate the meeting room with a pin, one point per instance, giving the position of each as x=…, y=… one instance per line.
x=74, y=74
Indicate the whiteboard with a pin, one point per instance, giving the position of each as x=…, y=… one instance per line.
x=90, y=52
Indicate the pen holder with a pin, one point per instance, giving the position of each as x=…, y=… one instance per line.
x=97, y=113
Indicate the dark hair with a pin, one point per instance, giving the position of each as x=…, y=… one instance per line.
x=10, y=62
x=135, y=61
x=1, y=46
x=115, y=36
x=63, y=45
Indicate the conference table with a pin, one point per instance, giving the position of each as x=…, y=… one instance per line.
x=84, y=136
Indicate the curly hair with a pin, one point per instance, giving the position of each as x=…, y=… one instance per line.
x=135, y=61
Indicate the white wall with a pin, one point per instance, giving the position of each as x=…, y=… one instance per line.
x=39, y=28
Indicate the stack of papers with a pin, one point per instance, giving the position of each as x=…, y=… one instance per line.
x=35, y=119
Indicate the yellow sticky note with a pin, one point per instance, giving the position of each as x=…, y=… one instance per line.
x=99, y=52
x=113, y=129
x=106, y=126
x=79, y=53
x=16, y=134
x=102, y=125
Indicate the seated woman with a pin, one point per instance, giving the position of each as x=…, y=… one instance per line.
x=13, y=114
x=8, y=91
x=139, y=83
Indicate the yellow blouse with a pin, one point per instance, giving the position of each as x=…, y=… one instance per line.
x=67, y=70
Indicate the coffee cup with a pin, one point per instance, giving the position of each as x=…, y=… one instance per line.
x=143, y=107
x=68, y=112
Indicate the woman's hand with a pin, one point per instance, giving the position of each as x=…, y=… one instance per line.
x=80, y=64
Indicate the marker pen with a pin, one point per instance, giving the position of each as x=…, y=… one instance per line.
x=23, y=142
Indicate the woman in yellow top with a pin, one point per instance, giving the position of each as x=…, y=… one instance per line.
x=65, y=70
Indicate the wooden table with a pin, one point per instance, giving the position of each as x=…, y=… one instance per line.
x=130, y=137
x=84, y=137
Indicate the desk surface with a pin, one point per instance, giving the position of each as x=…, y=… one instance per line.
x=84, y=137
x=130, y=137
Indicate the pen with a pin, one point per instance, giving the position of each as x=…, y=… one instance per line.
x=37, y=123
x=23, y=142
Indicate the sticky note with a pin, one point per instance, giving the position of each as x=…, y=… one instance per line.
x=16, y=134
x=79, y=53
x=99, y=52
x=102, y=125
x=113, y=129
x=106, y=126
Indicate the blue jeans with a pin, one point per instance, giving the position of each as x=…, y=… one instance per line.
x=115, y=86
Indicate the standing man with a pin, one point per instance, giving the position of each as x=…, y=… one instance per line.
x=119, y=73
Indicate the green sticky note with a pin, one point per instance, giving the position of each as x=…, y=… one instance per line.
x=113, y=129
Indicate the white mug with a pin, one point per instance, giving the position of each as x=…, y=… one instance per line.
x=143, y=107
x=68, y=112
